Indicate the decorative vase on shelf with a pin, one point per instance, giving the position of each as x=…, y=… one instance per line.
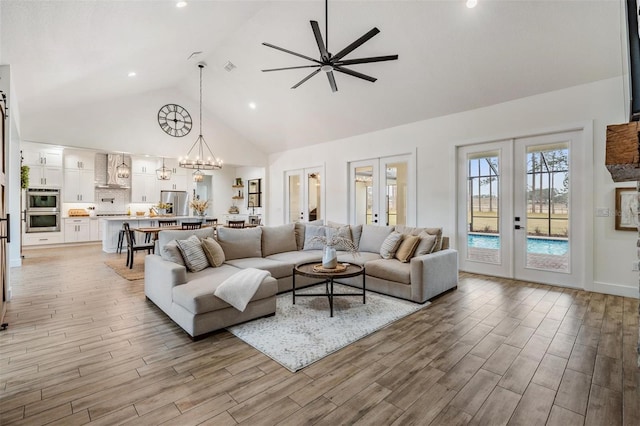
x=329, y=258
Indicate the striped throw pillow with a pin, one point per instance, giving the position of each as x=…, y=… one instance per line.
x=194, y=258
x=390, y=245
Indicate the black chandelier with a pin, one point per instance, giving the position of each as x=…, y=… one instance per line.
x=199, y=162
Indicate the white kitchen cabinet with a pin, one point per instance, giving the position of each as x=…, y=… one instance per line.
x=144, y=165
x=79, y=186
x=40, y=238
x=176, y=183
x=79, y=160
x=144, y=188
x=95, y=231
x=77, y=230
x=45, y=165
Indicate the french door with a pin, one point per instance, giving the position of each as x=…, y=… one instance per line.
x=383, y=191
x=521, y=213
x=4, y=223
x=304, y=195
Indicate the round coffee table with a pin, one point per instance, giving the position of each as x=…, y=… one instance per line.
x=306, y=270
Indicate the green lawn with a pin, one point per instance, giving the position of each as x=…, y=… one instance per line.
x=488, y=222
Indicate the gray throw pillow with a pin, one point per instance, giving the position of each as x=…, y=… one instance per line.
x=171, y=253
x=342, y=232
x=427, y=243
x=194, y=258
x=240, y=243
x=278, y=239
x=213, y=251
x=373, y=237
x=310, y=232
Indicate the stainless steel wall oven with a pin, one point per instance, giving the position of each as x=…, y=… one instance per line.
x=43, y=210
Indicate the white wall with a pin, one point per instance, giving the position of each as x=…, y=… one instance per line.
x=603, y=102
x=130, y=125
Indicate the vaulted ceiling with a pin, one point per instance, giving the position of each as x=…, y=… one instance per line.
x=70, y=55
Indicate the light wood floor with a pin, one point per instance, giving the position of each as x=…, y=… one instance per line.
x=83, y=345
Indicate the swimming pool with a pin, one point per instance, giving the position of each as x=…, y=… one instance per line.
x=534, y=245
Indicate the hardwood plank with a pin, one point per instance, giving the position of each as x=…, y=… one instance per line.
x=487, y=346
x=411, y=390
x=462, y=372
x=382, y=413
x=427, y=407
x=605, y=407
x=278, y=411
x=451, y=416
x=608, y=373
x=562, y=417
x=519, y=375
x=498, y=408
x=573, y=393
x=534, y=407
x=583, y=359
x=520, y=336
x=501, y=359
x=310, y=413
x=356, y=407
x=561, y=345
x=473, y=394
x=549, y=372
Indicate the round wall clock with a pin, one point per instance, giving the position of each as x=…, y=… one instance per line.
x=174, y=120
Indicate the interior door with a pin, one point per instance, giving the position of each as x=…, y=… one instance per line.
x=383, y=191
x=4, y=224
x=304, y=195
x=519, y=213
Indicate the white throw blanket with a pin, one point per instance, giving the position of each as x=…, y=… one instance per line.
x=238, y=289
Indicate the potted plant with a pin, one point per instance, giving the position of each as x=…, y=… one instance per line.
x=162, y=208
x=200, y=206
x=331, y=244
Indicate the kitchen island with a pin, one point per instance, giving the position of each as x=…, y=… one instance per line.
x=112, y=225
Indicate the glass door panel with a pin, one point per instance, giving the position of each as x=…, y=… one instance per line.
x=396, y=179
x=363, y=192
x=314, y=198
x=294, y=197
x=304, y=195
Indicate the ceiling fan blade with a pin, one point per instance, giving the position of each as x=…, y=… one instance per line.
x=292, y=53
x=353, y=46
x=367, y=60
x=291, y=68
x=355, y=74
x=306, y=78
x=321, y=47
x=332, y=81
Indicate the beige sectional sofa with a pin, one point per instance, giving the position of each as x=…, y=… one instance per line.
x=188, y=297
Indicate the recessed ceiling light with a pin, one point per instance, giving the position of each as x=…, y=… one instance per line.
x=131, y=74
x=181, y=4
x=252, y=105
x=472, y=3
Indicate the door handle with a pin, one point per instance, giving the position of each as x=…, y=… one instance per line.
x=8, y=236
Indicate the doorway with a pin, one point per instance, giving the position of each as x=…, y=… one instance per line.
x=519, y=210
x=382, y=191
x=304, y=195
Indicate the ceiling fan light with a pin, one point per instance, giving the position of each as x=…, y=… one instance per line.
x=472, y=3
x=327, y=68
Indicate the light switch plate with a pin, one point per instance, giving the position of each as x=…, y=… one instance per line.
x=603, y=212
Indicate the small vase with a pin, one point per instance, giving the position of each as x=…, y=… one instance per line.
x=203, y=218
x=329, y=258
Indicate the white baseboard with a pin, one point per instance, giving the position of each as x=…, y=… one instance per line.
x=15, y=263
x=616, y=289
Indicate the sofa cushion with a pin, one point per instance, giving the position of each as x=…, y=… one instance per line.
x=390, y=245
x=360, y=259
x=299, y=231
x=278, y=239
x=296, y=257
x=427, y=243
x=372, y=237
x=171, y=252
x=213, y=251
x=343, y=232
x=310, y=232
x=354, y=231
x=194, y=258
x=407, y=248
x=176, y=234
x=239, y=243
x=197, y=296
x=278, y=269
x=390, y=270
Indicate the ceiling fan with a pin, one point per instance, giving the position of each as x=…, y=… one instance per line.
x=330, y=63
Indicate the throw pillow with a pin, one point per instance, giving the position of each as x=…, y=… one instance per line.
x=342, y=232
x=407, y=248
x=194, y=258
x=213, y=251
x=373, y=236
x=171, y=252
x=240, y=243
x=390, y=245
x=278, y=239
x=310, y=232
x=427, y=243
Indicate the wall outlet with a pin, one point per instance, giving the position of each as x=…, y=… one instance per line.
x=634, y=265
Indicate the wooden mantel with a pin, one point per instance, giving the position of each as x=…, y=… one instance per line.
x=623, y=151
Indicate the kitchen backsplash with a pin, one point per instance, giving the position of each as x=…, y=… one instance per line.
x=104, y=204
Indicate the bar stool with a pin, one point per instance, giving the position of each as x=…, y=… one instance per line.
x=121, y=238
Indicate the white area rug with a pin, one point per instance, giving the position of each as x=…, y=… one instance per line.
x=301, y=334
